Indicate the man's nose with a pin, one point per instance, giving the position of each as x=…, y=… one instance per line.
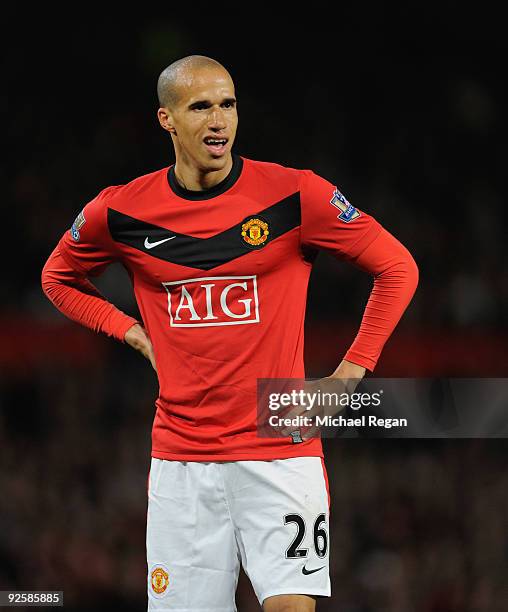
x=217, y=120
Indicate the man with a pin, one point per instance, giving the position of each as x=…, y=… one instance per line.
x=219, y=249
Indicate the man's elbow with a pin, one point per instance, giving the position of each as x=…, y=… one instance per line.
x=407, y=270
x=51, y=276
x=413, y=272
x=402, y=271
x=47, y=281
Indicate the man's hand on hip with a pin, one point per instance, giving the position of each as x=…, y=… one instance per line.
x=344, y=380
x=137, y=337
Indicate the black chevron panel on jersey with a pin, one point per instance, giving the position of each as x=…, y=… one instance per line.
x=202, y=253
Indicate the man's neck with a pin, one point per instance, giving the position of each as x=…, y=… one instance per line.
x=196, y=179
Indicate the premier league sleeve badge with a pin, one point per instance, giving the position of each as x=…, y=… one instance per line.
x=348, y=212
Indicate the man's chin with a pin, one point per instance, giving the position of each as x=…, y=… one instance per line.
x=216, y=162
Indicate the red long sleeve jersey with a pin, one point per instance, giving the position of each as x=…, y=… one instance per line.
x=220, y=277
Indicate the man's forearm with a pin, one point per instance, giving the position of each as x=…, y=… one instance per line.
x=79, y=300
x=395, y=280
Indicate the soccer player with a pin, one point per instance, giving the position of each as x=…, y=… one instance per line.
x=219, y=249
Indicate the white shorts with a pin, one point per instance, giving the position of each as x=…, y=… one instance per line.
x=205, y=518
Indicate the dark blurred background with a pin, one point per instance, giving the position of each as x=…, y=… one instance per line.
x=408, y=118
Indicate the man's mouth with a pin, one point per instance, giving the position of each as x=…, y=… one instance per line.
x=216, y=146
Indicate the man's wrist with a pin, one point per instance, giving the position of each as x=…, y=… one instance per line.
x=348, y=369
x=129, y=323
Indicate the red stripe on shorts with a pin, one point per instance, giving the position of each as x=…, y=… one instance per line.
x=325, y=474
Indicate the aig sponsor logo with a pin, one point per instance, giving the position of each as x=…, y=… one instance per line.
x=212, y=301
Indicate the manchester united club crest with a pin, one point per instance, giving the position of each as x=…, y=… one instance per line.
x=255, y=232
x=159, y=580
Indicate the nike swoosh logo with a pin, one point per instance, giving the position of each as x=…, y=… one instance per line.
x=150, y=245
x=306, y=572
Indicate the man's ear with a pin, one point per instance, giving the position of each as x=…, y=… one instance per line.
x=166, y=120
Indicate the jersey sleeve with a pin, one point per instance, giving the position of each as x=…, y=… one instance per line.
x=330, y=222
x=75, y=296
x=87, y=246
x=395, y=274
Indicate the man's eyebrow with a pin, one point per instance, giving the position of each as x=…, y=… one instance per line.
x=200, y=103
x=208, y=103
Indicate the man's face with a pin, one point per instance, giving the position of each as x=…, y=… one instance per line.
x=205, y=118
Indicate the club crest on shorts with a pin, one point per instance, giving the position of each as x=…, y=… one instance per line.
x=255, y=231
x=348, y=212
x=159, y=580
x=77, y=225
